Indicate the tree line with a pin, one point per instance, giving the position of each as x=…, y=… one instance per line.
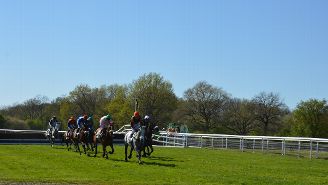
x=204, y=108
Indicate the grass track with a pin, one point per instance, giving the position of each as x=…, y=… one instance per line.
x=33, y=163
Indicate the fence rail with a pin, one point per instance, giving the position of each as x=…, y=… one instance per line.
x=297, y=146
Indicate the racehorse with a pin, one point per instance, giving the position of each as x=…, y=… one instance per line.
x=148, y=145
x=52, y=134
x=85, y=138
x=137, y=143
x=67, y=138
x=75, y=138
x=105, y=140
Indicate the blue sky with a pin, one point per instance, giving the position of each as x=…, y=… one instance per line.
x=244, y=47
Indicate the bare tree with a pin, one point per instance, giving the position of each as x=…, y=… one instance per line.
x=268, y=110
x=239, y=116
x=34, y=107
x=205, y=104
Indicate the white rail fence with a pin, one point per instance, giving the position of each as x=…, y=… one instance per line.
x=298, y=146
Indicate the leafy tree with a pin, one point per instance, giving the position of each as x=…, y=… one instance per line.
x=240, y=117
x=205, y=105
x=269, y=109
x=155, y=96
x=119, y=107
x=2, y=121
x=311, y=118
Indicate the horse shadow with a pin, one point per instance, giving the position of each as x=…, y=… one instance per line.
x=159, y=164
x=169, y=159
x=152, y=163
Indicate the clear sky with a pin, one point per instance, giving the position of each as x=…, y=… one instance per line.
x=244, y=47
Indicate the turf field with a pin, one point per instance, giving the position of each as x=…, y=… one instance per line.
x=42, y=164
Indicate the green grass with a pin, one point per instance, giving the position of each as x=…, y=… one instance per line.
x=33, y=163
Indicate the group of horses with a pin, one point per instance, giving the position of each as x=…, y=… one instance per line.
x=140, y=141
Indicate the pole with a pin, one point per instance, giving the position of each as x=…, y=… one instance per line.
x=136, y=105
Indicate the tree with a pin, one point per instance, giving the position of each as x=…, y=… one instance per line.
x=268, y=111
x=34, y=107
x=240, y=117
x=155, y=96
x=87, y=99
x=311, y=118
x=119, y=107
x=205, y=105
x=2, y=121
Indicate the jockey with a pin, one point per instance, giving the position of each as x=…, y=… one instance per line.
x=135, y=122
x=89, y=123
x=52, y=122
x=81, y=121
x=89, y=126
x=71, y=125
x=146, y=121
x=104, y=123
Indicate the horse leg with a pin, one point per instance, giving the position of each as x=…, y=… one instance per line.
x=84, y=148
x=112, y=147
x=96, y=147
x=144, y=152
x=131, y=149
x=78, y=147
x=151, y=149
x=105, y=152
x=139, y=156
x=126, y=151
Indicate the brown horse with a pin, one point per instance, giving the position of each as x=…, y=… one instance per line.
x=75, y=138
x=105, y=140
x=67, y=138
x=85, y=138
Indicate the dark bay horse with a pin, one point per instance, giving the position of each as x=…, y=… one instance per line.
x=148, y=145
x=75, y=138
x=85, y=138
x=105, y=140
x=136, y=143
x=67, y=138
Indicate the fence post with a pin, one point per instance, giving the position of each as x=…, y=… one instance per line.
x=212, y=142
x=226, y=143
x=317, y=152
x=166, y=140
x=282, y=147
x=267, y=144
x=253, y=145
x=222, y=142
x=310, y=149
x=262, y=144
x=299, y=148
x=174, y=140
x=201, y=141
x=186, y=140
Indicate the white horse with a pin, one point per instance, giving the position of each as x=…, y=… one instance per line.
x=136, y=142
x=52, y=133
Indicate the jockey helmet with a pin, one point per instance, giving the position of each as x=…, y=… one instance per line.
x=108, y=117
x=136, y=114
x=71, y=117
x=53, y=117
x=146, y=117
x=85, y=117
